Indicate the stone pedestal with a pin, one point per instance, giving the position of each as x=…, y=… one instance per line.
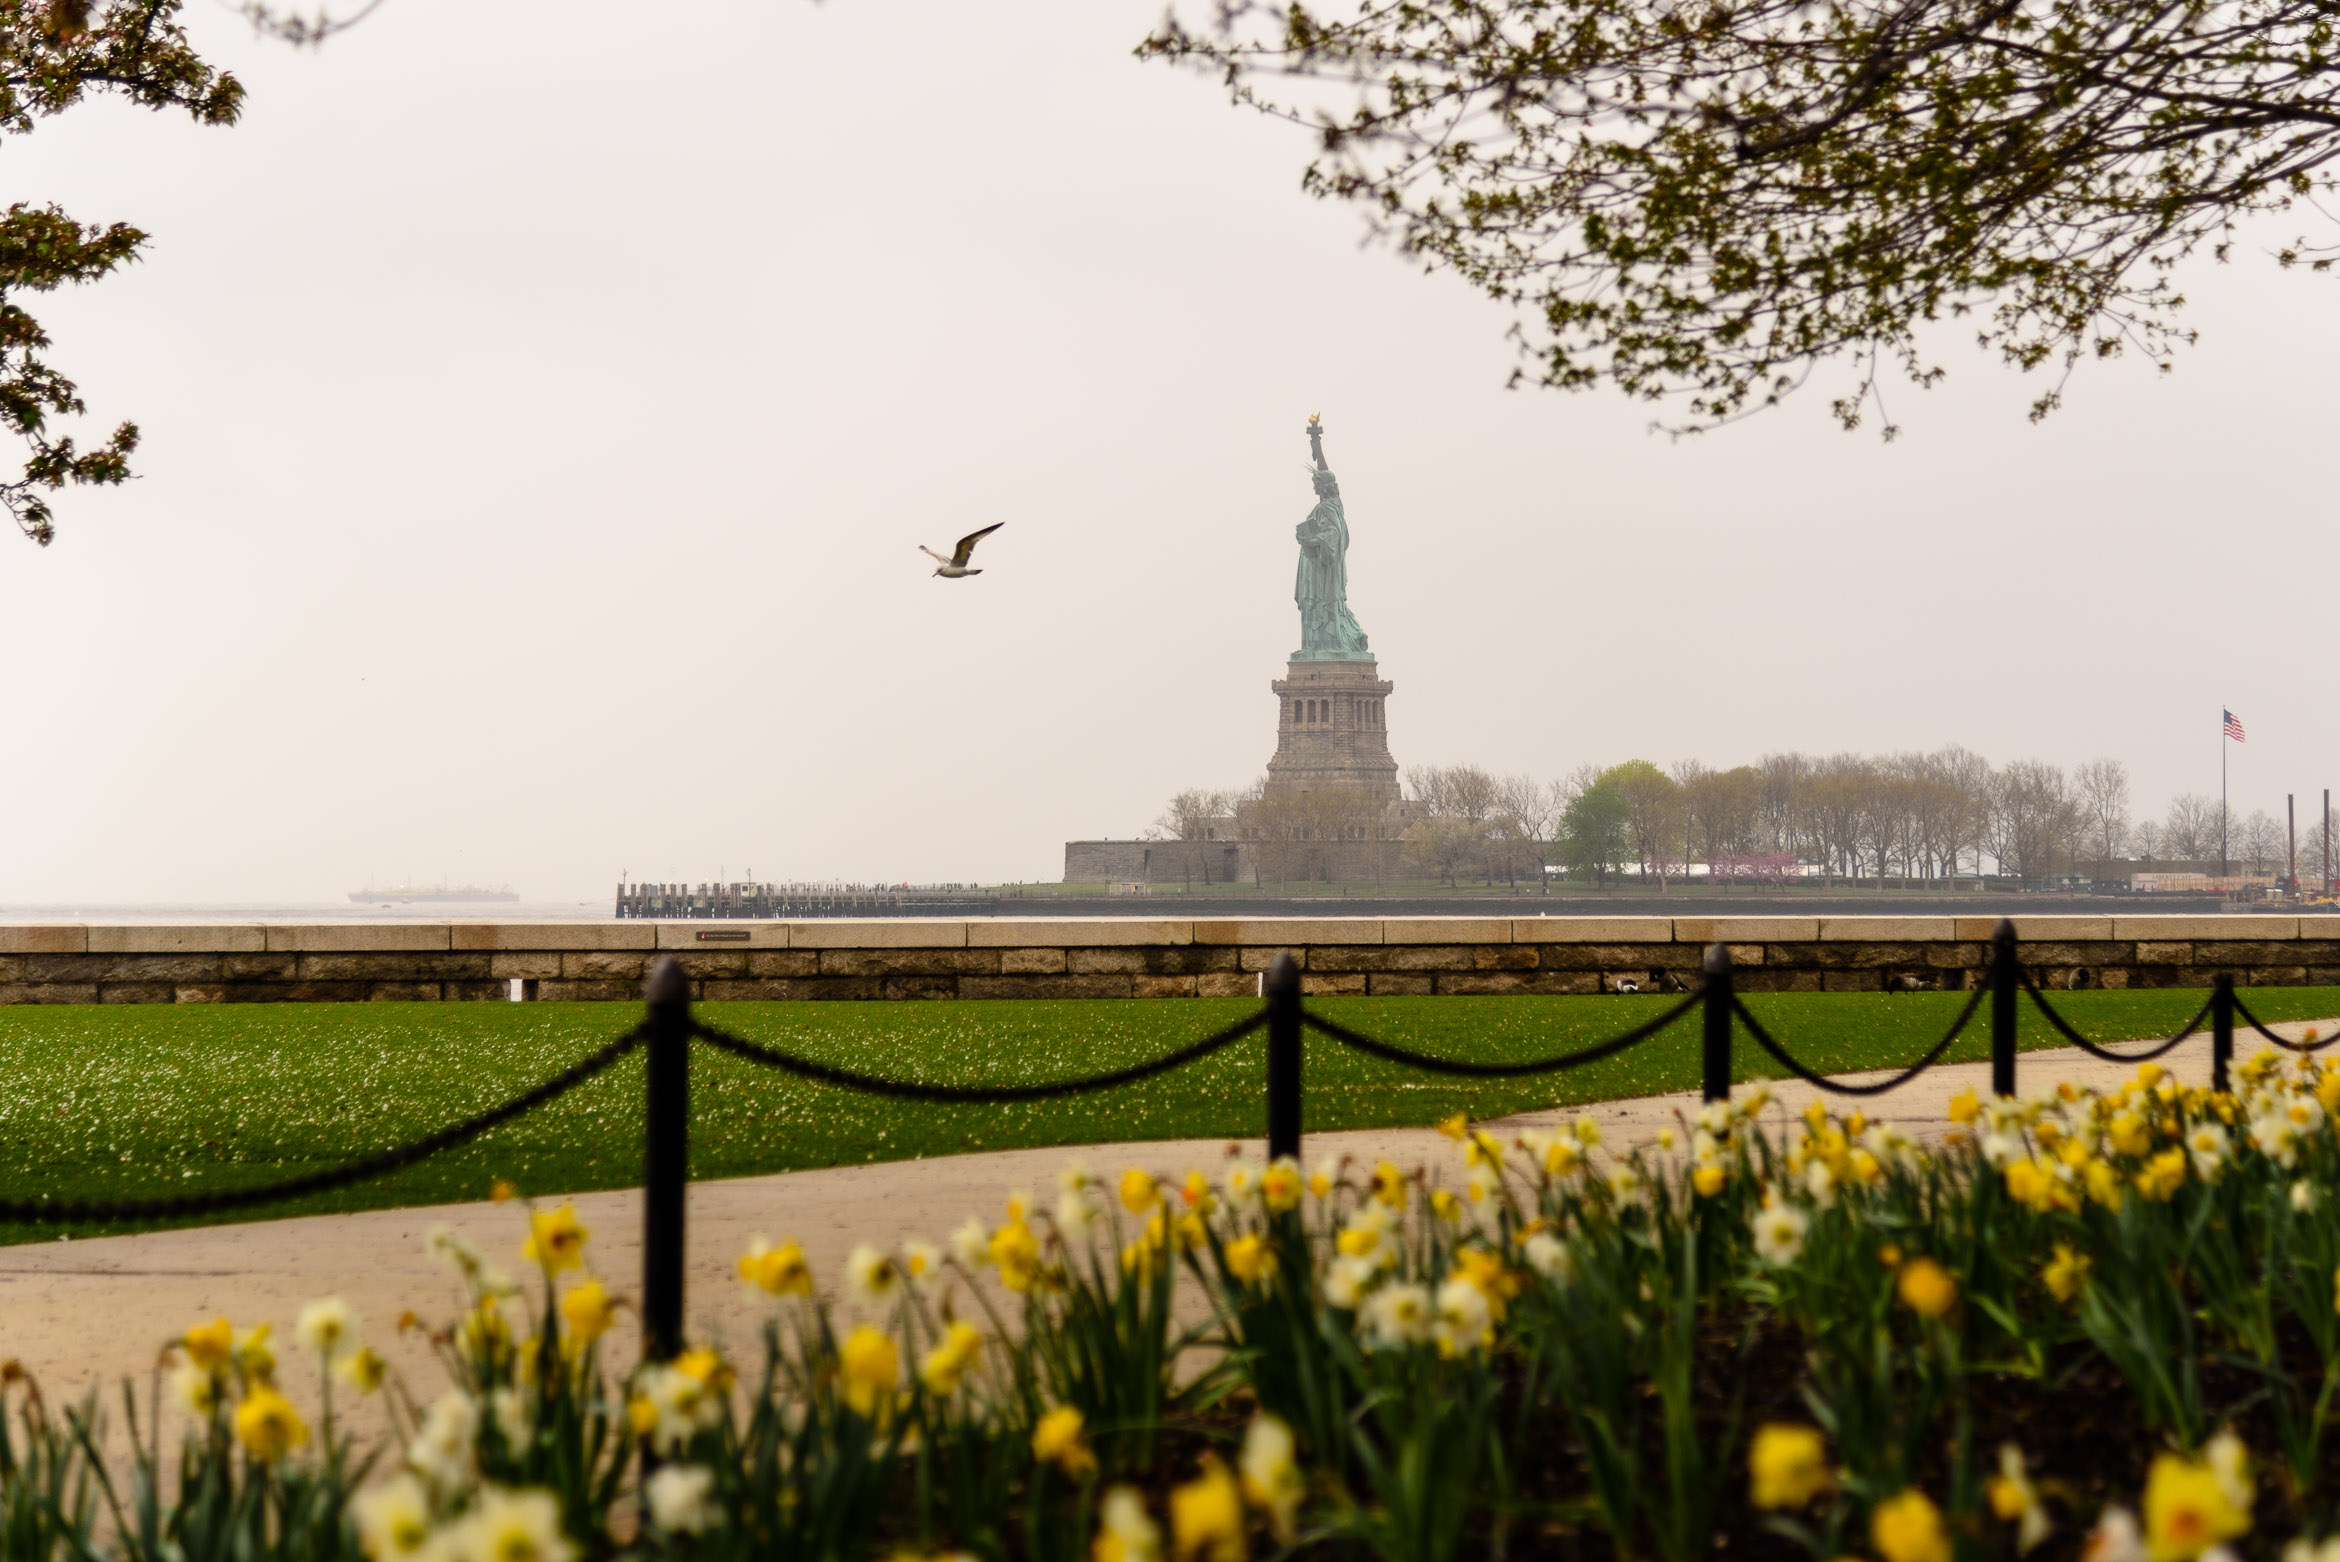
x=1332, y=729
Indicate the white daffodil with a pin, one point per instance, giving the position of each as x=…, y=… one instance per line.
x=194, y=1390
x=1271, y=1475
x=971, y=1243
x=1464, y=1322
x=922, y=1265
x=515, y=1526
x=394, y=1519
x=1398, y=1315
x=1076, y=1213
x=873, y=1278
x=444, y=1245
x=327, y=1327
x=681, y=1407
x=1347, y=1280
x=2210, y=1146
x=681, y=1498
x=1123, y=1518
x=1779, y=1234
x=441, y=1450
x=1550, y=1257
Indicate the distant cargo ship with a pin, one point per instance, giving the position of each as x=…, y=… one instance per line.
x=406, y=894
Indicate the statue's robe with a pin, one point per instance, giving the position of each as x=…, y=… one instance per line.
x=1321, y=586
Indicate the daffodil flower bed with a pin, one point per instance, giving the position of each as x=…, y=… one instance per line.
x=2096, y=1325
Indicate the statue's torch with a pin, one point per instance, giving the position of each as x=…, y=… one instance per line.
x=1316, y=441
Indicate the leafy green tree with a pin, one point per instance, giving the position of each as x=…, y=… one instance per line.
x=1653, y=813
x=53, y=54
x=1592, y=837
x=1704, y=200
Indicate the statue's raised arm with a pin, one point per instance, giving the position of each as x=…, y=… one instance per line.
x=1327, y=631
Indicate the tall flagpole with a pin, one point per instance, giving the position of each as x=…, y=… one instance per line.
x=2222, y=791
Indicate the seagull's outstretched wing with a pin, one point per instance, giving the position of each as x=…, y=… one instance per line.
x=966, y=547
x=930, y=553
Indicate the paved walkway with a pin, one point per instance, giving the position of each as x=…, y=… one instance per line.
x=85, y=1313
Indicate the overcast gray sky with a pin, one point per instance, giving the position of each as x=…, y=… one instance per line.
x=542, y=411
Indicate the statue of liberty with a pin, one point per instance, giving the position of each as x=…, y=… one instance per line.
x=1327, y=631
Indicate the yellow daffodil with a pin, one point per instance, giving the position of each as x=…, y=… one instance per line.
x=555, y=1241
x=1926, y=1288
x=1281, y=1186
x=1017, y=1253
x=253, y=1355
x=1389, y=1185
x=1787, y=1466
x=871, y=1366
x=1964, y=1108
x=2067, y=1272
x=1139, y=1190
x=1709, y=1180
x=363, y=1370
x=946, y=1365
x=1196, y=1193
x=777, y=1271
x=588, y=1311
x=1907, y=1527
x=2188, y=1509
x=1247, y=1258
x=1445, y=1206
x=2015, y=1499
x=208, y=1344
x=2163, y=1175
x=1057, y=1440
x=1206, y=1516
x=268, y=1426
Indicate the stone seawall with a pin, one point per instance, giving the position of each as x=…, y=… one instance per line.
x=1109, y=957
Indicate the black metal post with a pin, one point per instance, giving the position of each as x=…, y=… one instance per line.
x=2006, y=982
x=1283, y=1058
x=665, y=1158
x=1715, y=1009
x=2221, y=1030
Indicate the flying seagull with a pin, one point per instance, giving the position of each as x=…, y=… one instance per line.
x=955, y=566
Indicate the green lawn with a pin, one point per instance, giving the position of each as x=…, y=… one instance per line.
x=133, y=1100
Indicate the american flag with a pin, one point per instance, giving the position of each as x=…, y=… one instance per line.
x=2234, y=726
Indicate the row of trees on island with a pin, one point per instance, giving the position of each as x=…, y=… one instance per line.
x=1913, y=818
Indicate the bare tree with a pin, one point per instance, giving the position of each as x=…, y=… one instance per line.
x=2033, y=818
x=2146, y=841
x=1721, y=808
x=1530, y=810
x=2259, y=840
x=2104, y=794
x=1777, y=812
x=2190, y=833
x=1187, y=825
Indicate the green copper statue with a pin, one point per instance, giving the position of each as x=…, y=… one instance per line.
x=1327, y=631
